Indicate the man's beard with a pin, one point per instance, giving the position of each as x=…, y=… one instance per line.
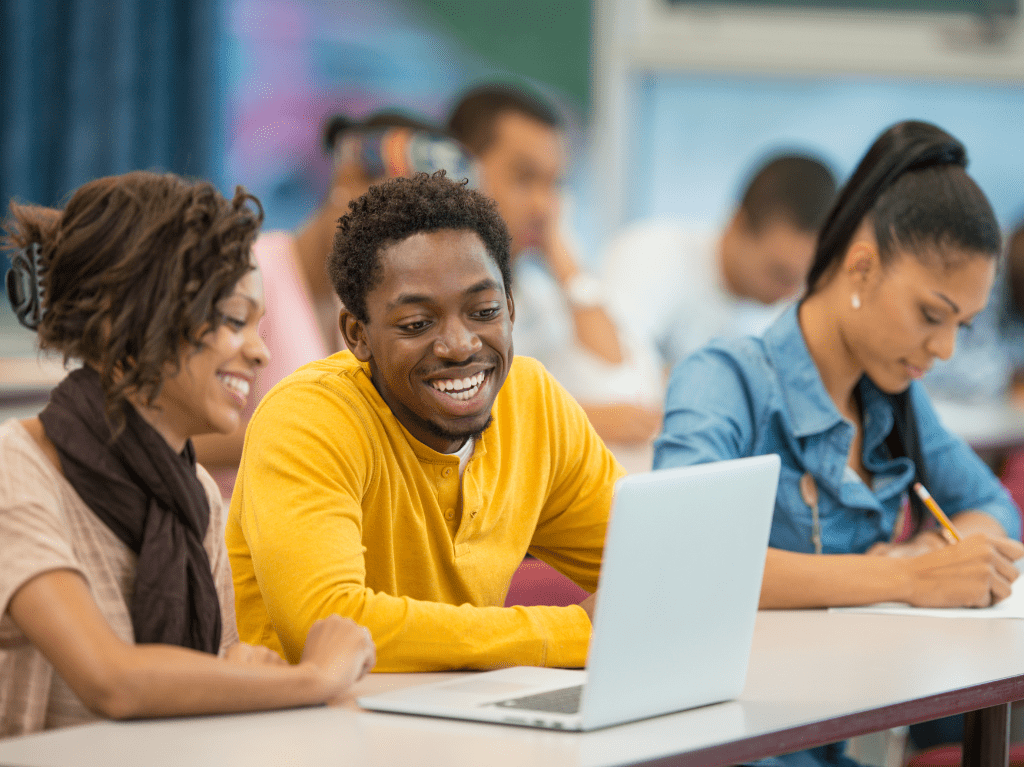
x=453, y=436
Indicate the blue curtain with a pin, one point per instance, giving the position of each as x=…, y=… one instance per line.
x=96, y=87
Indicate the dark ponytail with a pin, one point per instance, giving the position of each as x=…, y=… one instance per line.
x=913, y=184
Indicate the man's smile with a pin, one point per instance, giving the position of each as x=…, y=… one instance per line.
x=460, y=388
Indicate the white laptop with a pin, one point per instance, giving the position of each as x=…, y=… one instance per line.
x=676, y=604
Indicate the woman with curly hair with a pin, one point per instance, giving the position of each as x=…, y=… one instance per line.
x=115, y=589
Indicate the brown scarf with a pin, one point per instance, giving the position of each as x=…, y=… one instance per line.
x=150, y=498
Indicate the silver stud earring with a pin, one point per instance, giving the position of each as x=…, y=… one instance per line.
x=855, y=300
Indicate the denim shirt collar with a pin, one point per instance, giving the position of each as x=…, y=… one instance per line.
x=809, y=406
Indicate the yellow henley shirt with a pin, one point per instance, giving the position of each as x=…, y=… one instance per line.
x=338, y=509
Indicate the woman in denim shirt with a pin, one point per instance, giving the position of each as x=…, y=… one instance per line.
x=906, y=256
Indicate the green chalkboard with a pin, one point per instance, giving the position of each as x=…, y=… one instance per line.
x=545, y=40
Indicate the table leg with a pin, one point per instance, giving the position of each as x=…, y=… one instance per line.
x=987, y=737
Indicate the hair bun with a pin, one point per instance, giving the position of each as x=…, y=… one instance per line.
x=944, y=154
x=924, y=146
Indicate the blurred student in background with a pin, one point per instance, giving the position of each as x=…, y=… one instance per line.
x=678, y=287
x=115, y=588
x=519, y=143
x=301, y=322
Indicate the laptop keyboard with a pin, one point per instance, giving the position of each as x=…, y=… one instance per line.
x=563, y=701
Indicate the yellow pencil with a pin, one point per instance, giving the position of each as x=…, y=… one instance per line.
x=933, y=507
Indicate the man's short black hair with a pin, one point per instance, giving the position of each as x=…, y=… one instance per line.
x=473, y=119
x=399, y=208
x=795, y=189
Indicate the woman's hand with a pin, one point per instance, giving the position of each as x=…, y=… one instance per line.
x=341, y=651
x=975, y=572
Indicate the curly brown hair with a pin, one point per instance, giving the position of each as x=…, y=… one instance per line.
x=399, y=208
x=132, y=269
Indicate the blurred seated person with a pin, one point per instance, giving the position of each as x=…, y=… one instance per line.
x=115, y=587
x=519, y=143
x=301, y=322
x=678, y=287
x=989, y=363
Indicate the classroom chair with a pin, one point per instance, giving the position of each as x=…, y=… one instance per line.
x=537, y=583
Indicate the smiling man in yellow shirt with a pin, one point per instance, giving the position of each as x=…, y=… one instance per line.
x=401, y=483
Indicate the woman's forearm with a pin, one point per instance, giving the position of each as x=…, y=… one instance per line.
x=974, y=572
x=794, y=580
x=162, y=680
x=55, y=610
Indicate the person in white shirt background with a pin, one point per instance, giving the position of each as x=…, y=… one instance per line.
x=677, y=286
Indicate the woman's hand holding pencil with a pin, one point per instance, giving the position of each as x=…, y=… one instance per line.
x=946, y=567
x=977, y=571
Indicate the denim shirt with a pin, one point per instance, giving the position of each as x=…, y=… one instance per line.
x=751, y=396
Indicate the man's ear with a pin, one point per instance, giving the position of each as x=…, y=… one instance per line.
x=511, y=306
x=354, y=333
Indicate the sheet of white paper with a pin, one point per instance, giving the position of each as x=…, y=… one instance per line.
x=1011, y=607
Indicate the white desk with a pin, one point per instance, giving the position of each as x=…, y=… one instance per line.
x=815, y=677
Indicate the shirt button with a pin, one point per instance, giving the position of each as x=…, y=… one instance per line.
x=450, y=513
x=447, y=471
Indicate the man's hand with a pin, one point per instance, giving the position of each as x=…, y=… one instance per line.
x=559, y=258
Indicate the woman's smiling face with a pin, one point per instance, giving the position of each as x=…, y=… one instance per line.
x=439, y=335
x=208, y=394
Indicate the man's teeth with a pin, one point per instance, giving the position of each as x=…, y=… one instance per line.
x=234, y=384
x=460, y=388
